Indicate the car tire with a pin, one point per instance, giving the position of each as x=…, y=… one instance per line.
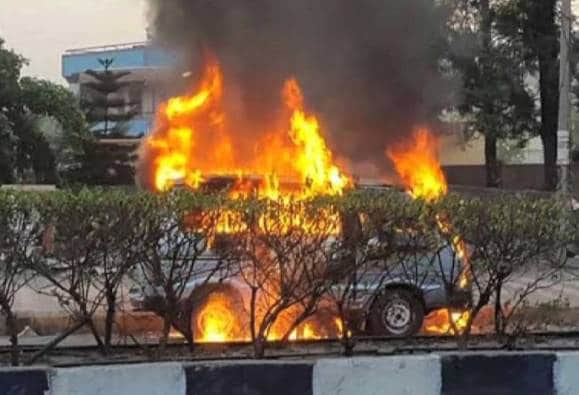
x=235, y=302
x=396, y=312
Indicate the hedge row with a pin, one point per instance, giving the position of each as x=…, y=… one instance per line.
x=295, y=257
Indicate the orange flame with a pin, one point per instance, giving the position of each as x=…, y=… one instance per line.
x=176, y=138
x=314, y=159
x=418, y=166
x=218, y=320
x=192, y=141
x=445, y=322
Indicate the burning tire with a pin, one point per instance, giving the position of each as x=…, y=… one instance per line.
x=396, y=312
x=218, y=316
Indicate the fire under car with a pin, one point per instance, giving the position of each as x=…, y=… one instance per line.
x=390, y=302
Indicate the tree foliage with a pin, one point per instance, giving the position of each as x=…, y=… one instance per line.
x=27, y=151
x=533, y=26
x=106, y=110
x=503, y=48
x=44, y=98
x=10, y=66
x=496, y=100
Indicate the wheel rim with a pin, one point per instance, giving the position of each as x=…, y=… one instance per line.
x=397, y=316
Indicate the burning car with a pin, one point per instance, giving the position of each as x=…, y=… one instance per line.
x=389, y=302
x=195, y=138
x=393, y=303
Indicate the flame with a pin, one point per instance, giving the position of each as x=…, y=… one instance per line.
x=314, y=159
x=193, y=141
x=418, y=166
x=340, y=328
x=459, y=247
x=176, y=136
x=445, y=322
x=217, y=320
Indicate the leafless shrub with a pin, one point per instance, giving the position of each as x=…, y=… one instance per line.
x=508, y=237
x=381, y=233
x=180, y=227
x=69, y=267
x=293, y=259
x=20, y=234
x=281, y=252
x=119, y=232
x=94, y=238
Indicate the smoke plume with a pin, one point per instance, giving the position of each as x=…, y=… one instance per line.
x=369, y=68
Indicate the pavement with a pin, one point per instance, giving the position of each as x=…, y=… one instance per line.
x=37, y=298
x=561, y=285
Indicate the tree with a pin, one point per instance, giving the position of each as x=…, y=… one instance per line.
x=104, y=163
x=533, y=26
x=69, y=265
x=48, y=153
x=108, y=112
x=119, y=232
x=379, y=235
x=25, y=147
x=496, y=102
x=7, y=142
x=10, y=66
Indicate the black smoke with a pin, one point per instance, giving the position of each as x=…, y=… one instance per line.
x=369, y=68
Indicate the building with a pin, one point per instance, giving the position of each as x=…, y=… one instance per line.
x=149, y=69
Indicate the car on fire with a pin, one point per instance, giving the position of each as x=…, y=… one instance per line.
x=386, y=302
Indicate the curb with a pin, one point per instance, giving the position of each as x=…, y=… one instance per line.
x=452, y=374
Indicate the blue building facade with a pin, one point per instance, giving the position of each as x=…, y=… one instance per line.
x=148, y=66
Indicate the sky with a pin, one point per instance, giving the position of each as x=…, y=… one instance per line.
x=42, y=30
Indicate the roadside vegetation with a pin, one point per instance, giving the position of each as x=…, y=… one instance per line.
x=299, y=260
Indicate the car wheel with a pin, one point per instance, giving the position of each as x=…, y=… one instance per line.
x=226, y=318
x=396, y=312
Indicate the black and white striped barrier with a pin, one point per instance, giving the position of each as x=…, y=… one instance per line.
x=457, y=374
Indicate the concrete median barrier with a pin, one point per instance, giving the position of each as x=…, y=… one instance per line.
x=145, y=379
x=524, y=373
x=378, y=375
x=23, y=382
x=449, y=374
x=250, y=378
x=566, y=373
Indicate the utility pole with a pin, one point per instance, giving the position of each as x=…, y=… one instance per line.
x=564, y=97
